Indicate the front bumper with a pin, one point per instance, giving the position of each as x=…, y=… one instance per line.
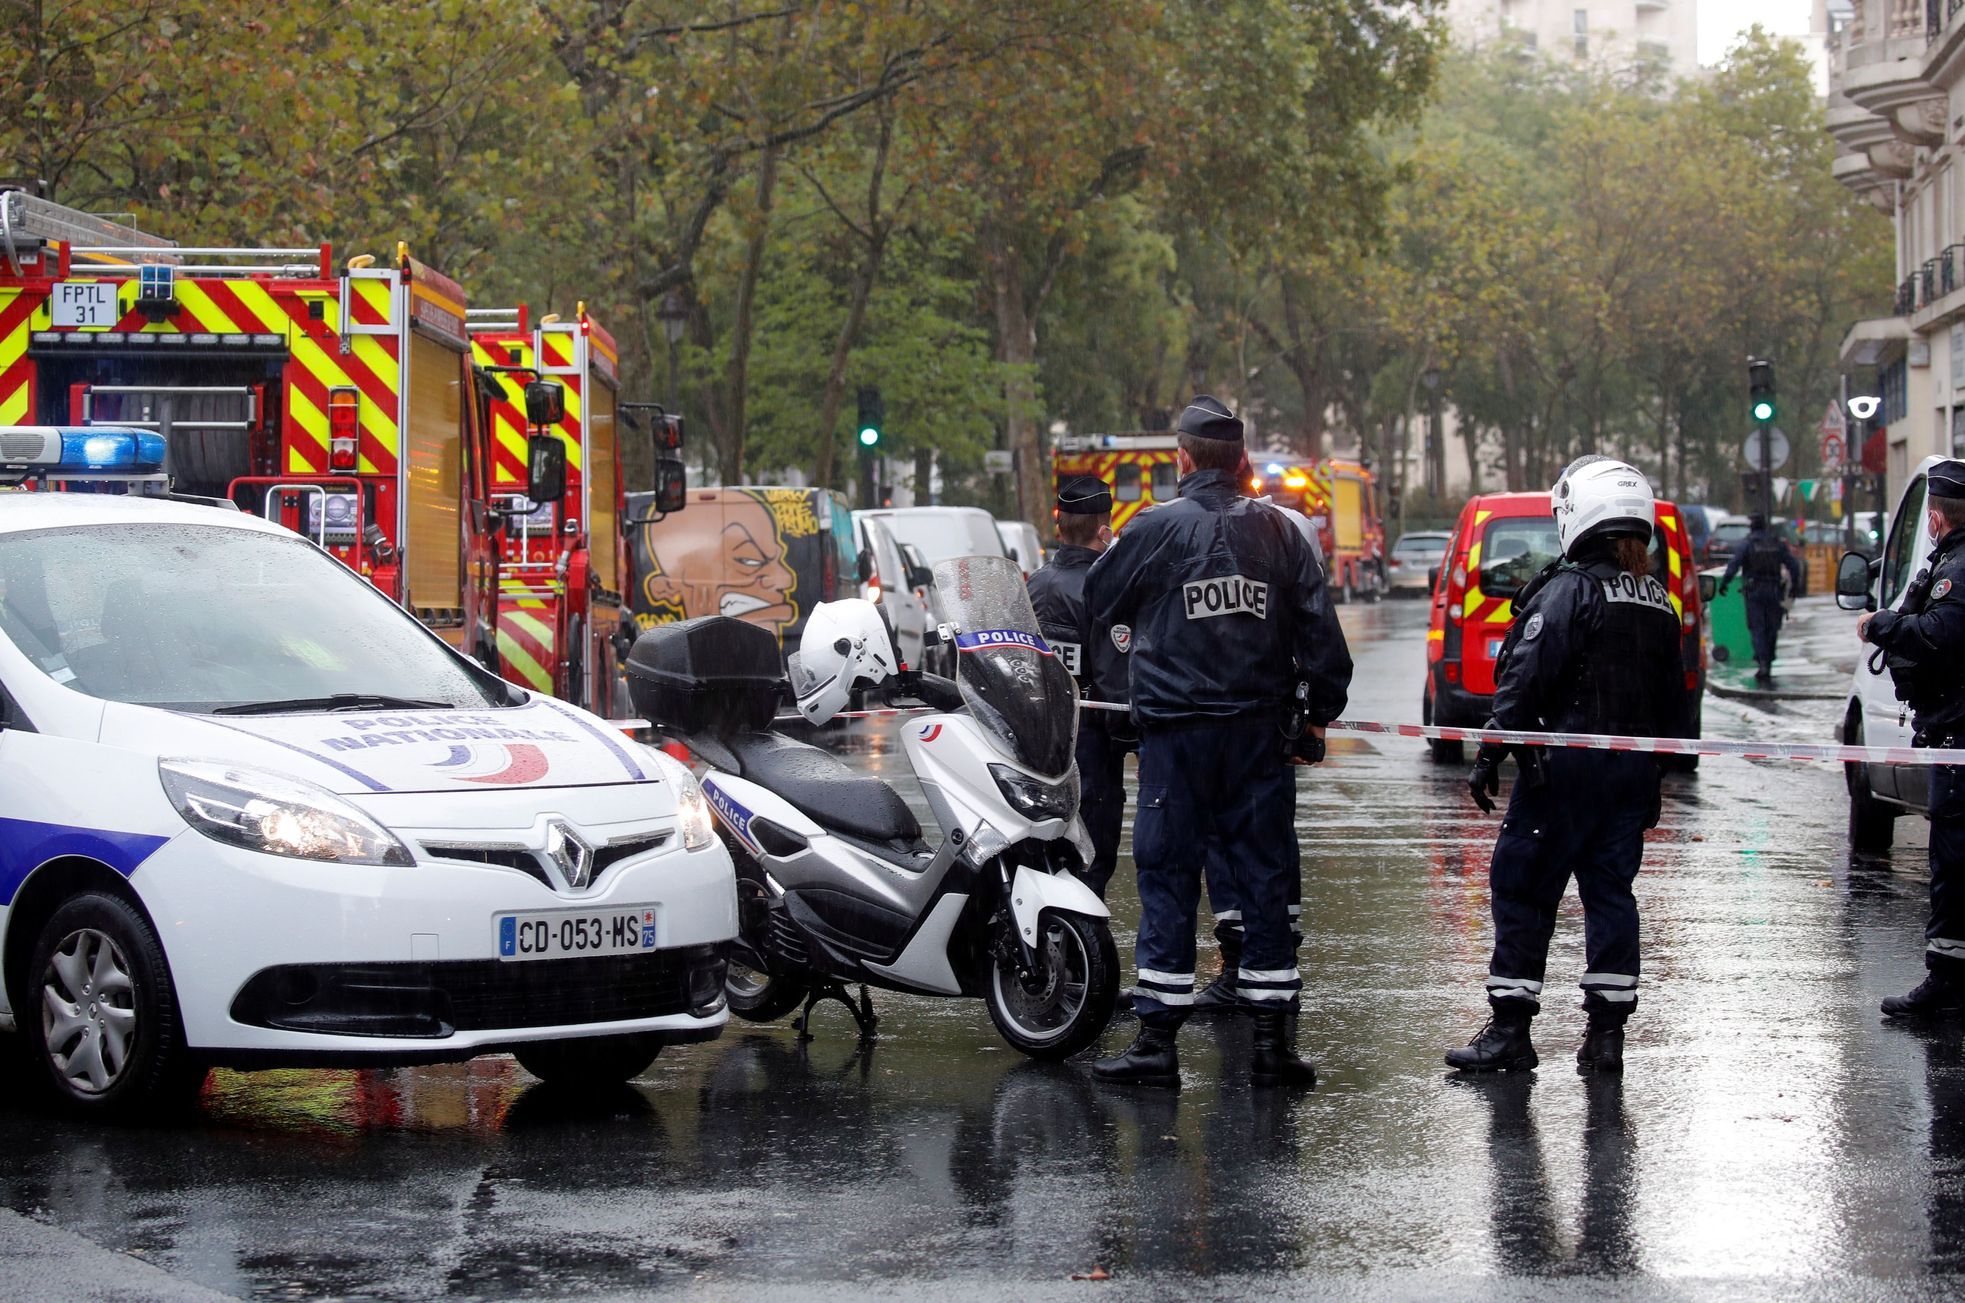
x=289, y=961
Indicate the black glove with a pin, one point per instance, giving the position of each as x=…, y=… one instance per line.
x=1484, y=781
x=1724, y=586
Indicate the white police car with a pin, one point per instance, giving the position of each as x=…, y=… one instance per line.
x=252, y=813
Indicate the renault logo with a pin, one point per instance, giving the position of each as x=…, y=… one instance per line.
x=570, y=854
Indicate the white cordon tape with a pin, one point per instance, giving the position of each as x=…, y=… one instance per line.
x=1829, y=752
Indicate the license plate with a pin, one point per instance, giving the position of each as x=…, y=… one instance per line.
x=83, y=303
x=1493, y=648
x=564, y=934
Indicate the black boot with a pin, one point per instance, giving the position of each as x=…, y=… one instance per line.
x=1502, y=1045
x=1220, y=993
x=1933, y=996
x=1276, y=1062
x=1149, y=1061
x=1602, y=1049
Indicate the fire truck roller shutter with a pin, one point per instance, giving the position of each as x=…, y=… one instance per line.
x=433, y=458
x=600, y=462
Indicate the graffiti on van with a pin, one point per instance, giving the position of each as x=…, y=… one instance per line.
x=740, y=556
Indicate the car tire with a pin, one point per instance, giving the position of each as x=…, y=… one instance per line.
x=589, y=1060
x=1441, y=751
x=1675, y=764
x=1872, y=823
x=97, y=973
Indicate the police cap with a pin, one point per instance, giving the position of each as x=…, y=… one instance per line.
x=1947, y=479
x=1207, y=418
x=1084, y=495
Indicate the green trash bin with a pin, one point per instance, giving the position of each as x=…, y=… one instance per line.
x=1726, y=625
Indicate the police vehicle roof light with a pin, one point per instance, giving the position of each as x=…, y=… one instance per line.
x=1274, y=468
x=80, y=450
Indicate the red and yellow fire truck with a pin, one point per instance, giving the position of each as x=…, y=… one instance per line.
x=1339, y=495
x=562, y=564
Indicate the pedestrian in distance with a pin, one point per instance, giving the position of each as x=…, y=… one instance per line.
x=1763, y=557
x=1057, y=593
x=1594, y=649
x=1923, y=643
x=1236, y=662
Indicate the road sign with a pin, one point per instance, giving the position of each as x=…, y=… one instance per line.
x=999, y=461
x=1777, y=448
x=1832, y=420
x=1833, y=452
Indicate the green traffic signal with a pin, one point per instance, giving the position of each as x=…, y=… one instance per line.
x=873, y=415
x=1762, y=411
x=869, y=436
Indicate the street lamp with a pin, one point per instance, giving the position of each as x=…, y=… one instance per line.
x=673, y=313
x=1435, y=467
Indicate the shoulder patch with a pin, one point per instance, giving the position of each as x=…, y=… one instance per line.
x=1122, y=637
x=1532, y=627
x=1940, y=588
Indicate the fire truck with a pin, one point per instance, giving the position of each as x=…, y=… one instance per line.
x=1339, y=495
x=562, y=564
x=347, y=404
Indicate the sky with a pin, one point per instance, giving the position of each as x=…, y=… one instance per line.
x=1721, y=20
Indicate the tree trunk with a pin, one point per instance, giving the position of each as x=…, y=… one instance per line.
x=1016, y=344
x=730, y=453
x=1470, y=435
x=875, y=240
x=1309, y=375
x=924, y=476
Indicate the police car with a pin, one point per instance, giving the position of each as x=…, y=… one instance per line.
x=253, y=814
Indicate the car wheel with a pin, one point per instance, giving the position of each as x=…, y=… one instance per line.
x=593, y=1060
x=1442, y=752
x=1674, y=764
x=1872, y=823
x=101, y=1017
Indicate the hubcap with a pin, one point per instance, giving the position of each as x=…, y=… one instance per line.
x=88, y=1011
x=743, y=982
x=1044, y=1003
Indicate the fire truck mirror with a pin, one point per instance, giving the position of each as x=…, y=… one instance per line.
x=671, y=484
x=545, y=468
x=545, y=404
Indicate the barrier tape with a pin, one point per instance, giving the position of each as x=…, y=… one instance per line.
x=1825, y=752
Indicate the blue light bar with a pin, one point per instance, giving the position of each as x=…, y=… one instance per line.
x=80, y=451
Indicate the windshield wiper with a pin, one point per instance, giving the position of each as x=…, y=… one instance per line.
x=334, y=701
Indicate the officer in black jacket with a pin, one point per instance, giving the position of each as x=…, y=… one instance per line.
x=1057, y=593
x=1924, y=641
x=1594, y=649
x=1233, y=645
x=1763, y=557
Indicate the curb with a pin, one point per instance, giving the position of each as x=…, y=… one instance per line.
x=1768, y=694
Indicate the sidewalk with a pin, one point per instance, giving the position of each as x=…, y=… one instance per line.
x=1818, y=652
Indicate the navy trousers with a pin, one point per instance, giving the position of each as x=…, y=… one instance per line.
x=1944, y=944
x=1101, y=798
x=1764, y=616
x=1229, y=783
x=1585, y=821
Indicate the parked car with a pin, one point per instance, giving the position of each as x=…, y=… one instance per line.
x=1409, y=569
x=1501, y=541
x=1699, y=520
x=1021, y=539
x=887, y=580
x=942, y=533
x=1880, y=794
x=1727, y=531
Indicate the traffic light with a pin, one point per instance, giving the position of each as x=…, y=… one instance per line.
x=1760, y=389
x=873, y=414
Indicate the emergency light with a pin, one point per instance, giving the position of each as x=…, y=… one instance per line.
x=77, y=451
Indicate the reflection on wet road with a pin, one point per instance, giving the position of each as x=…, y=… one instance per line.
x=1769, y=1130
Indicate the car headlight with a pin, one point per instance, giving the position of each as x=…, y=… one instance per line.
x=1035, y=798
x=276, y=815
x=692, y=808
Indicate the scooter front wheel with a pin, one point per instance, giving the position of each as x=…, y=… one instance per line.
x=1063, y=1004
x=760, y=997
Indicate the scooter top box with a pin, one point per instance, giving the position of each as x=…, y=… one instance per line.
x=712, y=674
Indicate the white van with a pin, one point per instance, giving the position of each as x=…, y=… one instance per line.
x=252, y=813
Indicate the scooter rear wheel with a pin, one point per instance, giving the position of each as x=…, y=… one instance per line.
x=760, y=997
x=1063, y=1006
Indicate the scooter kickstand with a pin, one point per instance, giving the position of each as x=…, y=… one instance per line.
x=863, y=1015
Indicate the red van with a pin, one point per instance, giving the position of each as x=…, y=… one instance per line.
x=1499, y=543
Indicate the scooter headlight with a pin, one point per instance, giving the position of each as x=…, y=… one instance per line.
x=276, y=815
x=1033, y=797
x=692, y=808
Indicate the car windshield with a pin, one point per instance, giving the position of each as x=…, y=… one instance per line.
x=1732, y=532
x=943, y=535
x=1425, y=547
x=204, y=617
x=1011, y=680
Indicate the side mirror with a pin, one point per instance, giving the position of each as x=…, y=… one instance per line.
x=1852, y=583
x=920, y=577
x=1708, y=588
x=545, y=466
x=865, y=570
x=671, y=484
x=545, y=402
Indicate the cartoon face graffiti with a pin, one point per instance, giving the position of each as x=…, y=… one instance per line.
x=728, y=560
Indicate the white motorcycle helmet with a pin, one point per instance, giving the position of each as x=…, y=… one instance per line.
x=846, y=646
x=1600, y=495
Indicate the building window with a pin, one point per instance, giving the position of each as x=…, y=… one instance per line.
x=1958, y=431
x=1894, y=381
x=1125, y=482
x=1582, y=33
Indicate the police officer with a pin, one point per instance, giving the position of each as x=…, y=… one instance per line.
x=1594, y=649
x=1057, y=592
x=1763, y=557
x=1924, y=640
x=1223, y=606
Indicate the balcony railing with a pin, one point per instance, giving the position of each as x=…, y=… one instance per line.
x=1951, y=267
x=1906, y=297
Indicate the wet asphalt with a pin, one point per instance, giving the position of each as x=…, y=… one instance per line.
x=1770, y=1138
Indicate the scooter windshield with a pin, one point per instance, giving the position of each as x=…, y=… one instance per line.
x=1011, y=680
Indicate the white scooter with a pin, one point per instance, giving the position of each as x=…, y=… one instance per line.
x=835, y=881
